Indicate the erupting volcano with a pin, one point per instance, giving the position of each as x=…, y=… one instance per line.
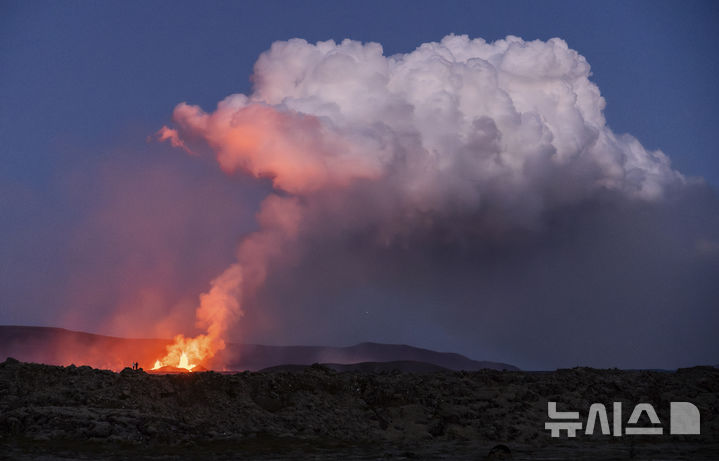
x=383, y=150
x=218, y=308
x=188, y=354
x=183, y=363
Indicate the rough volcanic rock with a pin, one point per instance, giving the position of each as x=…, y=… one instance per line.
x=65, y=411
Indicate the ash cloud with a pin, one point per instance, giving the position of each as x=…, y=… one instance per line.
x=465, y=195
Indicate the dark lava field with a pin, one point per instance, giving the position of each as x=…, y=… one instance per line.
x=52, y=412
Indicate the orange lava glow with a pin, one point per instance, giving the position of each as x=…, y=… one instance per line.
x=187, y=353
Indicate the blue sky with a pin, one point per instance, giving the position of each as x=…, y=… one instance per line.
x=83, y=84
x=82, y=75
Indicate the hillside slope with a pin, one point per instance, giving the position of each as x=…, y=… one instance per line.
x=57, y=346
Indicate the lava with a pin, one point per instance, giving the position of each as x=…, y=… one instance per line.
x=187, y=353
x=184, y=363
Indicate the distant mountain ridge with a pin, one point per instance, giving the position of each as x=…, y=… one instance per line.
x=406, y=366
x=59, y=346
x=254, y=357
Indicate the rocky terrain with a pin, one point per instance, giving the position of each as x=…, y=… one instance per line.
x=55, y=412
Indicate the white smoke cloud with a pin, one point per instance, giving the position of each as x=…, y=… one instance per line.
x=454, y=128
x=457, y=115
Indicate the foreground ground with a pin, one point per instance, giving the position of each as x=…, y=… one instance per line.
x=53, y=412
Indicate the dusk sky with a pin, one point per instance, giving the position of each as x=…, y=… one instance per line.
x=544, y=196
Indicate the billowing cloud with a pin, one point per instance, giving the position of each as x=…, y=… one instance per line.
x=461, y=147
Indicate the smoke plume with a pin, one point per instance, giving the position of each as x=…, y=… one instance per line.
x=463, y=159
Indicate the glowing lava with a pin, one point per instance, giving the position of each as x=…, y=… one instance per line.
x=184, y=363
x=187, y=353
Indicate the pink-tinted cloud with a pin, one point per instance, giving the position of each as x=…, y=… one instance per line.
x=170, y=134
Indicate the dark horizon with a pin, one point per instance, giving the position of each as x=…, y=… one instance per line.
x=31, y=344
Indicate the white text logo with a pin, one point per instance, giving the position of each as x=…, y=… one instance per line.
x=683, y=416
